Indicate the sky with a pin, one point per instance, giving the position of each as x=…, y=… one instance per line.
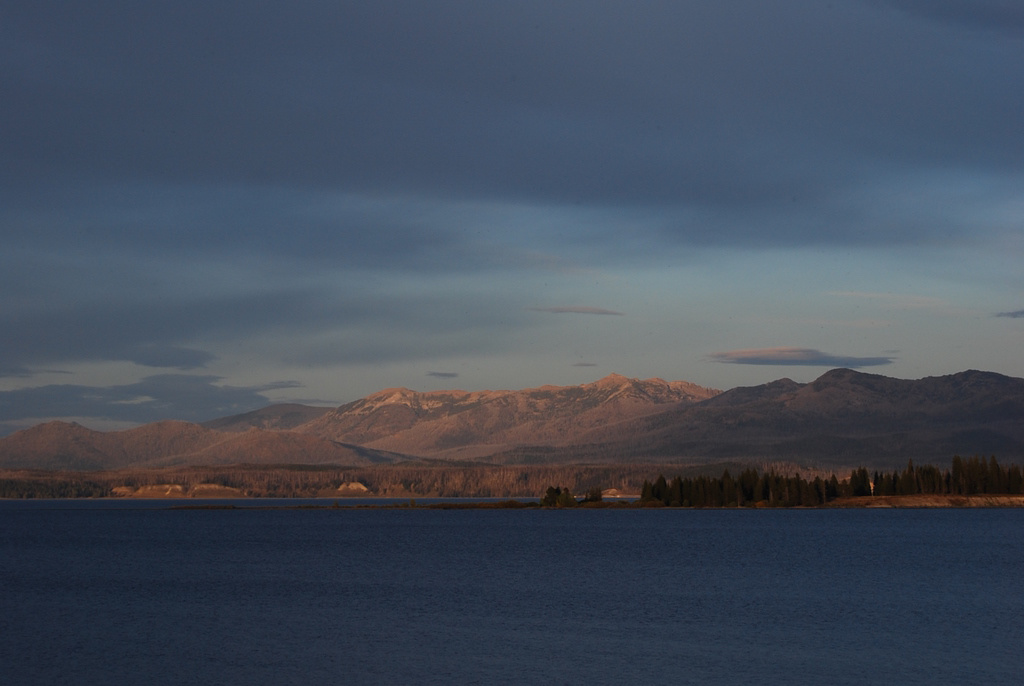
x=208, y=207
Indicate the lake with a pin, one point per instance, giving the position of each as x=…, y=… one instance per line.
x=102, y=592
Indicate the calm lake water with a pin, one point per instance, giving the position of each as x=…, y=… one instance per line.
x=103, y=593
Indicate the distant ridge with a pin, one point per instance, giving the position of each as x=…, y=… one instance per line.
x=843, y=418
x=283, y=416
x=846, y=418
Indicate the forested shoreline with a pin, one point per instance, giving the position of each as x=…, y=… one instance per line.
x=973, y=476
x=770, y=485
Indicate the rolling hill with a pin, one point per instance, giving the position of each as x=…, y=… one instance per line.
x=70, y=446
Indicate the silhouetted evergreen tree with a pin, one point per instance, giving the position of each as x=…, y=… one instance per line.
x=908, y=481
x=659, y=490
x=747, y=486
x=958, y=476
x=996, y=480
x=878, y=484
x=674, y=495
x=566, y=499
x=832, y=488
x=728, y=489
x=930, y=480
x=860, y=483
x=1014, y=480
x=815, y=494
x=550, y=498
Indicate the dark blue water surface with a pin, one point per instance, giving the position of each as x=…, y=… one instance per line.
x=101, y=594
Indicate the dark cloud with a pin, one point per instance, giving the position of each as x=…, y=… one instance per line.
x=128, y=218
x=148, y=332
x=585, y=364
x=197, y=124
x=164, y=396
x=160, y=328
x=14, y=371
x=1013, y=315
x=803, y=357
x=443, y=375
x=577, y=309
x=156, y=355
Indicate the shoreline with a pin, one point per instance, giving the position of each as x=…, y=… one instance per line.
x=866, y=502
x=176, y=500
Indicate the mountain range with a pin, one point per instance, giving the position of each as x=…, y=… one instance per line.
x=843, y=418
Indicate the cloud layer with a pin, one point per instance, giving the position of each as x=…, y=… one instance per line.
x=797, y=357
x=577, y=309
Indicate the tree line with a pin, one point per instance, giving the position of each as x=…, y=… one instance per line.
x=53, y=488
x=749, y=489
x=775, y=485
x=972, y=476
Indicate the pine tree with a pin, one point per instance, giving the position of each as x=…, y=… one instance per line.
x=566, y=499
x=674, y=495
x=660, y=488
x=1014, y=480
x=728, y=489
x=908, y=481
x=550, y=498
x=832, y=488
x=860, y=483
x=996, y=477
x=958, y=476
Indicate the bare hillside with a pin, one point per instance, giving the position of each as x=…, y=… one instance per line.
x=466, y=425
